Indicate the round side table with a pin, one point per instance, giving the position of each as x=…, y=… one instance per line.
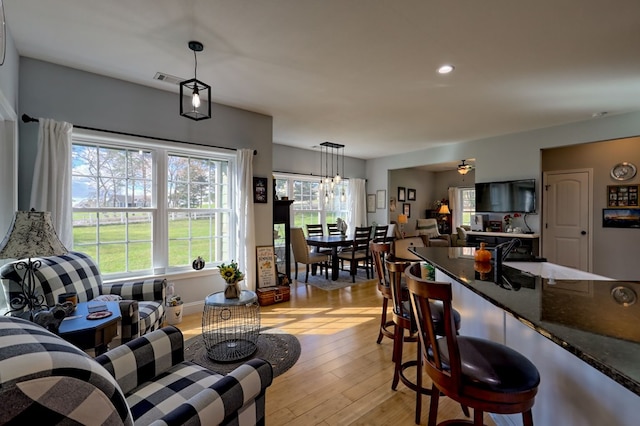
x=230, y=327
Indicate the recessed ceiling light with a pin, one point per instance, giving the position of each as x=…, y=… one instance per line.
x=446, y=69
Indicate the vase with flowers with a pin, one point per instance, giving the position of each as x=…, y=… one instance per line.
x=508, y=220
x=232, y=276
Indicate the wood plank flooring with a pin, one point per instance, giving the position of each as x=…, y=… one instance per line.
x=342, y=377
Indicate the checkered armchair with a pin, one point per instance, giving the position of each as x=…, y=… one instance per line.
x=46, y=380
x=141, y=305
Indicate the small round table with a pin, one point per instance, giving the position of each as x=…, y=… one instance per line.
x=230, y=327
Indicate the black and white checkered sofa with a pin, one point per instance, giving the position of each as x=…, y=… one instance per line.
x=46, y=380
x=142, y=305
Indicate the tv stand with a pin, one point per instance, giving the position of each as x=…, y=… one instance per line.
x=529, y=247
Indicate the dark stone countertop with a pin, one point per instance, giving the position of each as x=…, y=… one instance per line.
x=581, y=316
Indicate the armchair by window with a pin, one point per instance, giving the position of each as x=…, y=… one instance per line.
x=428, y=230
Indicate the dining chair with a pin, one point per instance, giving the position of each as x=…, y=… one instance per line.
x=478, y=373
x=380, y=233
x=379, y=252
x=315, y=230
x=358, y=255
x=302, y=254
x=332, y=228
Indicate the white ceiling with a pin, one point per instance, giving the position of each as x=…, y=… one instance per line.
x=361, y=72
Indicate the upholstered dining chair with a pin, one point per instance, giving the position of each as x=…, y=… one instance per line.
x=478, y=373
x=303, y=254
x=379, y=252
x=358, y=255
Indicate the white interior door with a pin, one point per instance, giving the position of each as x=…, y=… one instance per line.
x=566, y=234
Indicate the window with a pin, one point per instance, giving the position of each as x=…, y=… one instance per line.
x=120, y=220
x=467, y=201
x=311, y=204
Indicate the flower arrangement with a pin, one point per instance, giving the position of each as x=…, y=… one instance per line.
x=230, y=273
x=508, y=219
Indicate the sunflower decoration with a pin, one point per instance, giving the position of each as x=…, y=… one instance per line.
x=230, y=273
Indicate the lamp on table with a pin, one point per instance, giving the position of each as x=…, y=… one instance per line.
x=402, y=219
x=30, y=235
x=444, y=211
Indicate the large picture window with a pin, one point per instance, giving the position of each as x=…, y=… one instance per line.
x=144, y=208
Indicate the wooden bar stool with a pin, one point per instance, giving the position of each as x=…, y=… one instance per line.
x=379, y=251
x=478, y=373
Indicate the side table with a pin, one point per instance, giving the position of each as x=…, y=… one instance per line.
x=230, y=327
x=90, y=334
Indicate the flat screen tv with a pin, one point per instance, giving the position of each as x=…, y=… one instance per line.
x=504, y=197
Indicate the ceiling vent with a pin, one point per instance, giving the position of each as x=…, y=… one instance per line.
x=168, y=78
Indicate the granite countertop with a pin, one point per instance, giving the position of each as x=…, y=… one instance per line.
x=598, y=321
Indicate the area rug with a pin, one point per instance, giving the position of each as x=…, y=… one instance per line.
x=281, y=349
x=344, y=280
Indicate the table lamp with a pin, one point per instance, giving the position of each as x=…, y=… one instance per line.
x=30, y=235
x=444, y=211
x=402, y=219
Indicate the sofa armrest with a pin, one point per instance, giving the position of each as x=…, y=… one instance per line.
x=144, y=358
x=130, y=320
x=242, y=389
x=146, y=290
x=446, y=238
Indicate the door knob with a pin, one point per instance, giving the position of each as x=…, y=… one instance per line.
x=583, y=233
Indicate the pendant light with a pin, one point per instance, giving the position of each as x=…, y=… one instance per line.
x=330, y=151
x=192, y=104
x=463, y=168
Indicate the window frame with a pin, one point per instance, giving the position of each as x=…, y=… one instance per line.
x=160, y=151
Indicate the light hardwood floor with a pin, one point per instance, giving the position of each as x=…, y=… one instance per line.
x=342, y=377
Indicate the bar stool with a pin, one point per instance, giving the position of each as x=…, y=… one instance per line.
x=478, y=373
x=404, y=321
x=379, y=251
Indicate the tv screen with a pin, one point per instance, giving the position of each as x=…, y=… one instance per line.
x=504, y=197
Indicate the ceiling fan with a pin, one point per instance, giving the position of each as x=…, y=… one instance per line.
x=464, y=168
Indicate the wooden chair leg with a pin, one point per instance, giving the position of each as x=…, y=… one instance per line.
x=326, y=270
x=419, y=384
x=477, y=417
x=527, y=418
x=383, y=319
x=296, y=270
x=433, y=406
x=306, y=279
x=398, y=337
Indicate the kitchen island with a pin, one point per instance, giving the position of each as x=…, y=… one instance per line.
x=582, y=334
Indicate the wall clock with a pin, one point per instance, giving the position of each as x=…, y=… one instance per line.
x=623, y=171
x=3, y=34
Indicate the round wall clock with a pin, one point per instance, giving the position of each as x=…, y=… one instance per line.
x=623, y=171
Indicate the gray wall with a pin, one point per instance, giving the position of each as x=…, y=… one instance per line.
x=518, y=156
x=615, y=250
x=86, y=99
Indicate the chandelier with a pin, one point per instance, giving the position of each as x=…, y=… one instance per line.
x=463, y=168
x=193, y=106
x=330, y=156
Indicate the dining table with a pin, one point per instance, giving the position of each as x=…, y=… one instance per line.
x=334, y=242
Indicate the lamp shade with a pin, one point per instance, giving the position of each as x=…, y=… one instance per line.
x=402, y=218
x=444, y=209
x=31, y=234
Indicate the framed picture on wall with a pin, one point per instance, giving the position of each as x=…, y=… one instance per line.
x=381, y=196
x=411, y=194
x=371, y=203
x=621, y=218
x=406, y=209
x=402, y=193
x=259, y=190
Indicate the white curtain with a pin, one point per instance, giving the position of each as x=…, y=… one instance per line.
x=358, y=203
x=246, y=240
x=454, y=202
x=51, y=186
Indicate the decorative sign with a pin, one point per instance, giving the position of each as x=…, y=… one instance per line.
x=265, y=260
x=622, y=195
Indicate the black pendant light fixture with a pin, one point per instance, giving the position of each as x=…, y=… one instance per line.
x=192, y=92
